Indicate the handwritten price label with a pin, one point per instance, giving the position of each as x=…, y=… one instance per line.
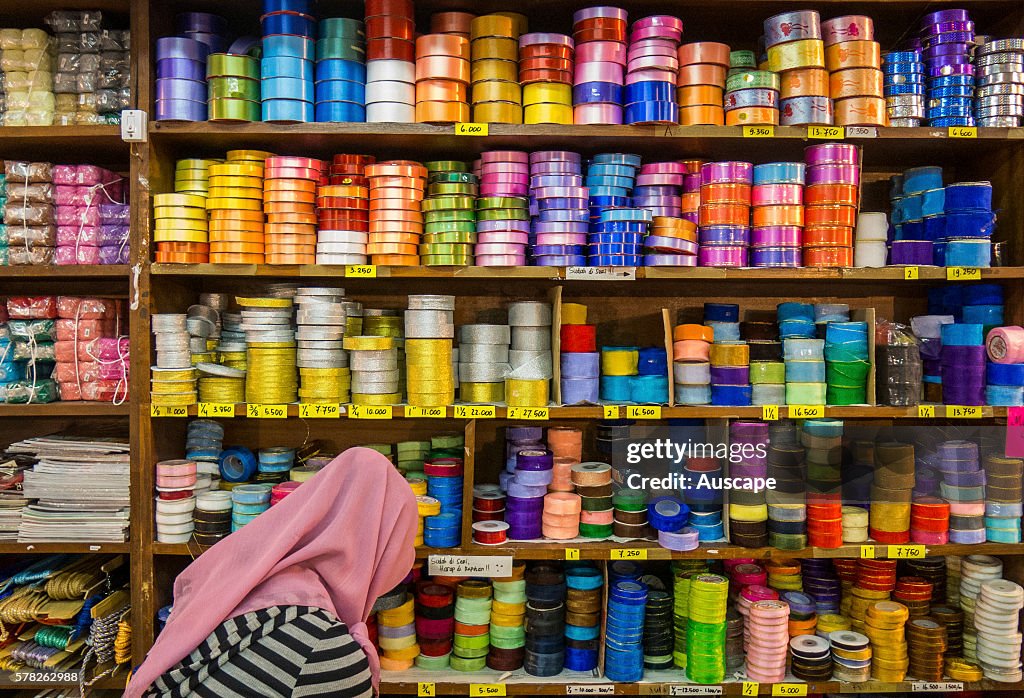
x=963, y=132
x=826, y=132
x=789, y=689
x=750, y=688
x=643, y=412
x=936, y=687
x=572, y=553
x=926, y=411
x=963, y=274
x=163, y=411
x=425, y=690
x=414, y=412
x=600, y=273
x=758, y=131
x=867, y=552
x=680, y=689
x=216, y=409
x=257, y=411
x=861, y=132
x=475, y=412
x=963, y=411
x=472, y=129
x=596, y=689
x=911, y=273
x=806, y=411
x=907, y=552
x=535, y=413
x=769, y=413
x=627, y=554
x=486, y=689
x=370, y=412
x=361, y=271
x=319, y=411
x=611, y=411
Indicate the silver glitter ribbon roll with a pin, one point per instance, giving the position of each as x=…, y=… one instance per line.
x=531, y=338
x=485, y=334
x=529, y=314
x=429, y=302
x=483, y=353
x=429, y=324
x=483, y=373
x=373, y=360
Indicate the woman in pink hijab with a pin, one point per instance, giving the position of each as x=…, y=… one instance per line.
x=279, y=607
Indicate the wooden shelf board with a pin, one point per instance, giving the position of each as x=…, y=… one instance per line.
x=80, y=271
x=8, y=548
x=558, y=273
x=96, y=145
x=66, y=409
x=689, y=412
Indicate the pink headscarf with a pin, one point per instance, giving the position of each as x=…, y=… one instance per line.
x=336, y=543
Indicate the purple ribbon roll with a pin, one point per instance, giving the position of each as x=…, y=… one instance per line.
x=581, y=364
x=595, y=12
x=534, y=459
x=953, y=49
x=577, y=390
x=500, y=226
x=657, y=201
x=521, y=504
x=941, y=16
x=180, y=110
x=559, y=181
x=748, y=470
x=534, y=478
x=945, y=28
x=559, y=261
x=200, y=22
x=725, y=172
x=670, y=260
x=561, y=156
x=776, y=236
x=660, y=243
x=519, y=490
x=114, y=254
x=911, y=252
x=576, y=194
x=779, y=257
x=176, y=88
x=692, y=180
x=524, y=434
x=182, y=68
x=216, y=42
x=969, y=356
x=962, y=394
x=730, y=375
x=833, y=174
x=832, y=154
x=179, y=47
x=969, y=478
x=723, y=256
x=544, y=250
x=724, y=235
x=945, y=66
x=553, y=167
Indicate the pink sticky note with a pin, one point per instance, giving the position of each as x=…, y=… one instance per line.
x=1015, y=432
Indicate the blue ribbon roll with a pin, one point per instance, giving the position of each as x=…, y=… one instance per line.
x=768, y=394
x=730, y=395
x=597, y=249
x=969, y=196
x=909, y=88
x=563, y=215
x=597, y=93
x=963, y=335
x=286, y=67
x=1005, y=374
x=721, y=312
x=648, y=389
x=600, y=192
x=968, y=253
x=983, y=314
x=633, y=215
x=626, y=238
x=289, y=89
x=609, y=201
x=831, y=312
x=795, y=311
x=237, y=464
x=652, y=361
x=337, y=69
x=920, y=179
x=974, y=294
x=278, y=46
x=724, y=331
x=803, y=349
x=693, y=394
x=288, y=23
x=651, y=112
x=599, y=170
x=796, y=328
x=340, y=91
x=724, y=235
x=933, y=202
x=970, y=224
x=289, y=110
x=615, y=388
x=952, y=121
x=649, y=91
x=779, y=173
x=615, y=261
x=843, y=332
x=617, y=159
x=609, y=181
x=339, y=112
x=805, y=371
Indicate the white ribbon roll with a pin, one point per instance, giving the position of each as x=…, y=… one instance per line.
x=870, y=254
x=872, y=226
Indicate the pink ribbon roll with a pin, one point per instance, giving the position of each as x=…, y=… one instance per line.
x=561, y=239
x=492, y=156
x=599, y=71
x=601, y=52
x=508, y=260
x=777, y=195
x=1005, y=345
x=725, y=256
x=505, y=237
x=597, y=114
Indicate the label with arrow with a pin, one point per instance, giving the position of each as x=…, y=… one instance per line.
x=601, y=273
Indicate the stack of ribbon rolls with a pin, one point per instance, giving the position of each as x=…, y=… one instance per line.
x=233, y=86
x=623, y=653
x=472, y=638
x=449, y=207
x=503, y=215
x=891, y=493
x=947, y=37
x=700, y=84
x=343, y=212
x=340, y=70
x=235, y=207
x=847, y=363
x=917, y=199
x=584, y=584
x=556, y=182
x=705, y=630
x=483, y=363
x=269, y=325
x=580, y=361
x=599, y=34
x=903, y=87
x=290, y=204
x=724, y=217
x=797, y=53
x=671, y=241
x=748, y=510
x=508, y=616
x=830, y=204
x=545, y=72
x=495, y=91
x=530, y=357
x=752, y=98
x=777, y=197
x=963, y=356
x=397, y=628
x=1004, y=376
x=373, y=362
x=396, y=219
x=823, y=441
x=173, y=381
x=180, y=230
x=324, y=375
x=653, y=71
x=870, y=247
x=442, y=78
x=181, y=72
x=854, y=61
x=963, y=488
x=545, y=620
x=969, y=224
x=998, y=98
x=286, y=65
x=390, y=61
x=429, y=332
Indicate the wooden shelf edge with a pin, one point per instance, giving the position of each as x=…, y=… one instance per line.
x=679, y=412
x=72, y=271
x=9, y=548
x=558, y=273
x=11, y=133
x=66, y=409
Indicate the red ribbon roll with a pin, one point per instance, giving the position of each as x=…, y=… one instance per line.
x=579, y=338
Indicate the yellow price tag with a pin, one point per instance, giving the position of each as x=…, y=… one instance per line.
x=806, y=411
x=963, y=274
x=789, y=689
x=572, y=553
x=257, y=411
x=471, y=129
x=926, y=411
x=963, y=411
x=758, y=131
x=827, y=132
x=911, y=273
x=611, y=411
x=750, y=688
x=164, y=411
x=332, y=411
x=867, y=552
x=216, y=409
x=769, y=413
x=486, y=689
x=627, y=554
x=426, y=412
x=475, y=411
x=963, y=132
x=369, y=412
x=425, y=690
x=361, y=271
x=643, y=412
x=907, y=552
x=534, y=413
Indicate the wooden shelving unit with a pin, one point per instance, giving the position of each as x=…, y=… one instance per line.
x=996, y=154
